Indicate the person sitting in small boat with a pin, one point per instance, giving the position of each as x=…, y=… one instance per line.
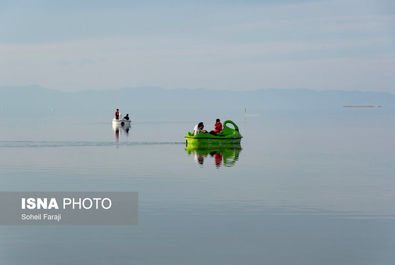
x=217, y=127
x=126, y=117
x=117, y=114
x=199, y=128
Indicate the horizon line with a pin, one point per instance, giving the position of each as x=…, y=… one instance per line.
x=194, y=89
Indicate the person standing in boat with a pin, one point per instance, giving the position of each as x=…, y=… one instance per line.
x=117, y=114
x=199, y=128
x=217, y=127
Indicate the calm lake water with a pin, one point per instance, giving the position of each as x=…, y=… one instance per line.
x=305, y=188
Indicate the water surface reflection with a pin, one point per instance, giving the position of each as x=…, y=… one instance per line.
x=120, y=129
x=223, y=155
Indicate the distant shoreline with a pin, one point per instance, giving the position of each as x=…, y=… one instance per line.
x=362, y=106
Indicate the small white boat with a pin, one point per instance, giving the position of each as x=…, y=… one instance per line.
x=120, y=123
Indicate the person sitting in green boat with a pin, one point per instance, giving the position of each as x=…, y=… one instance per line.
x=217, y=127
x=199, y=128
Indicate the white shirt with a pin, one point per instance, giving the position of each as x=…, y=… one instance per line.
x=196, y=130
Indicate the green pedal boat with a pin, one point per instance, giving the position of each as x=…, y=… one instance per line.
x=228, y=137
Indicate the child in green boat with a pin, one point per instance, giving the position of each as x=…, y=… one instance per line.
x=199, y=128
x=217, y=127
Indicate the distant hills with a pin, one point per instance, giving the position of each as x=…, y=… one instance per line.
x=178, y=104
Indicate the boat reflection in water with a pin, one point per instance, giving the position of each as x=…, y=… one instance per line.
x=222, y=155
x=120, y=129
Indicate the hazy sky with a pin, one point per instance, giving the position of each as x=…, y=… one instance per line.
x=75, y=45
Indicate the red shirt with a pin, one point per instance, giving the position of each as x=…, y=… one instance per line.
x=117, y=115
x=217, y=127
